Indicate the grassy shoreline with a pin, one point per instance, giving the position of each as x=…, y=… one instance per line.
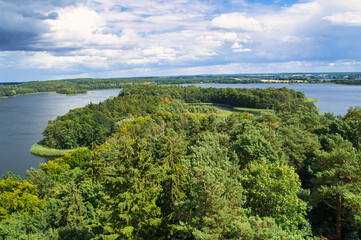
x=257, y=111
x=312, y=100
x=39, y=149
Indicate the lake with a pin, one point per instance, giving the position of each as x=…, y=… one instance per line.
x=332, y=98
x=23, y=118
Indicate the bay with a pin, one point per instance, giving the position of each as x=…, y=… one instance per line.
x=23, y=118
x=332, y=98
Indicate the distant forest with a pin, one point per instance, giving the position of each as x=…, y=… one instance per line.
x=82, y=85
x=153, y=166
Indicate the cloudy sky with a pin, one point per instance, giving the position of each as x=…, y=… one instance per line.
x=54, y=39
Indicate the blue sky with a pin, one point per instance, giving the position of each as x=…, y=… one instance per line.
x=51, y=39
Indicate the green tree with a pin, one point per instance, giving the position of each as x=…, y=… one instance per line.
x=297, y=144
x=271, y=190
x=75, y=215
x=353, y=113
x=251, y=145
x=214, y=208
x=337, y=182
x=11, y=175
x=18, y=196
x=42, y=180
x=133, y=186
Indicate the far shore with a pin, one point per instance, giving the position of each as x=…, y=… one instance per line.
x=29, y=94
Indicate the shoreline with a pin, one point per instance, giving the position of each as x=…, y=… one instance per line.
x=88, y=92
x=29, y=94
x=39, y=149
x=312, y=100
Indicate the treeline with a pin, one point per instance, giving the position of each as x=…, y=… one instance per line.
x=200, y=80
x=95, y=122
x=69, y=86
x=278, y=99
x=81, y=85
x=347, y=82
x=40, y=87
x=176, y=171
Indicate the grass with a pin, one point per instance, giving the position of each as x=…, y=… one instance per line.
x=312, y=100
x=40, y=150
x=257, y=111
x=230, y=109
x=224, y=113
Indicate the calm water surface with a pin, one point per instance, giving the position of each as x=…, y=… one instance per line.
x=23, y=118
x=332, y=98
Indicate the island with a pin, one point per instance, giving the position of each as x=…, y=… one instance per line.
x=156, y=162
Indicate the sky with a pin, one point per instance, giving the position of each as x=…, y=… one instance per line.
x=57, y=39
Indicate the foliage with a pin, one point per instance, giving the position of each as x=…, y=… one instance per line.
x=11, y=176
x=18, y=196
x=81, y=85
x=271, y=190
x=155, y=167
x=96, y=122
x=213, y=209
x=337, y=181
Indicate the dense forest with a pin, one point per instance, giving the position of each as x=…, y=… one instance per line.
x=94, y=123
x=82, y=85
x=156, y=167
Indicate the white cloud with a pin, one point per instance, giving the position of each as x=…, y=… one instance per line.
x=237, y=47
x=78, y=27
x=160, y=53
x=291, y=39
x=80, y=19
x=292, y=19
x=346, y=18
x=114, y=16
x=151, y=36
x=44, y=60
x=215, y=39
x=237, y=22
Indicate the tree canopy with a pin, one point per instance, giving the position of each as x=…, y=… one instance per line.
x=156, y=167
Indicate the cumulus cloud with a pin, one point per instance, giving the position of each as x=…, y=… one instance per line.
x=237, y=47
x=22, y=22
x=346, y=19
x=237, y=22
x=156, y=35
x=78, y=27
x=44, y=60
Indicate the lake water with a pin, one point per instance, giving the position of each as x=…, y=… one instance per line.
x=23, y=118
x=336, y=99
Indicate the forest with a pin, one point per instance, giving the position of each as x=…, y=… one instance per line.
x=94, y=123
x=156, y=166
x=82, y=85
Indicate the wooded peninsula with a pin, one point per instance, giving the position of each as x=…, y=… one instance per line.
x=154, y=164
x=82, y=85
